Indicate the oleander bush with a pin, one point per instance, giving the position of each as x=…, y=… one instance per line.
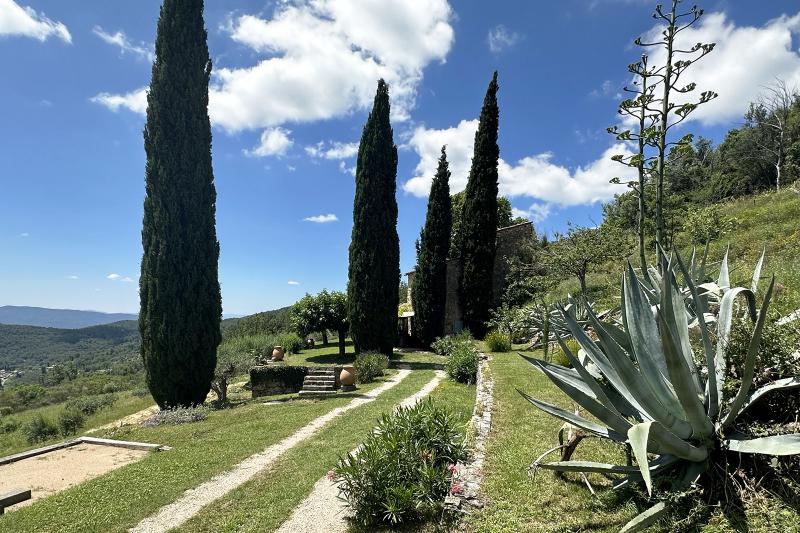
x=445, y=345
x=178, y=415
x=405, y=468
x=462, y=363
x=497, y=342
x=39, y=429
x=370, y=365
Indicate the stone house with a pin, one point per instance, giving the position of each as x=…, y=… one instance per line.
x=509, y=240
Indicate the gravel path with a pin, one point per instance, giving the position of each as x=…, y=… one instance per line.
x=193, y=500
x=322, y=511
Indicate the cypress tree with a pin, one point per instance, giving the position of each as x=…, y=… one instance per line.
x=429, y=290
x=374, y=270
x=179, y=290
x=479, y=222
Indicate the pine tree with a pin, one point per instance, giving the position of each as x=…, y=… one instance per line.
x=374, y=270
x=479, y=222
x=429, y=290
x=179, y=290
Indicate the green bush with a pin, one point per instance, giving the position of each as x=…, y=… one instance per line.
x=706, y=224
x=405, y=468
x=8, y=425
x=291, y=342
x=497, y=342
x=39, y=429
x=89, y=405
x=462, y=363
x=70, y=421
x=445, y=345
x=370, y=365
x=560, y=358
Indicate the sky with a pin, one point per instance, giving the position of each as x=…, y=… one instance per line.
x=291, y=87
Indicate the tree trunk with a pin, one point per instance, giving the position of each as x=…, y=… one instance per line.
x=582, y=279
x=324, y=338
x=342, y=335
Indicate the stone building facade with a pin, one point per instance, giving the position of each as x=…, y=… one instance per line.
x=509, y=240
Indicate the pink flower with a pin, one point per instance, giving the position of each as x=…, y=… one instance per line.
x=453, y=469
x=331, y=475
x=455, y=488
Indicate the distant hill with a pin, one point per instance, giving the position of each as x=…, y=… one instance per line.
x=92, y=348
x=58, y=318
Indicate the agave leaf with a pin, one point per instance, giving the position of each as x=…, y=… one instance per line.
x=588, y=466
x=575, y=420
x=750, y=360
x=691, y=473
x=757, y=272
x=712, y=397
x=724, y=321
x=605, y=414
x=619, y=336
x=645, y=519
x=657, y=465
x=724, y=279
x=775, y=445
x=779, y=384
x=702, y=274
x=674, y=309
x=666, y=442
x=638, y=435
x=692, y=259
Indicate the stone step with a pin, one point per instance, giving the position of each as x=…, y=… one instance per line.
x=319, y=387
x=316, y=393
x=330, y=382
x=322, y=372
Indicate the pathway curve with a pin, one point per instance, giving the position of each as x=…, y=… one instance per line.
x=322, y=511
x=193, y=500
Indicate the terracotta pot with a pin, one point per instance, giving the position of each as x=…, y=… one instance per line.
x=348, y=376
x=277, y=353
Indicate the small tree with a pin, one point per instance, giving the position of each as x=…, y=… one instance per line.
x=230, y=363
x=770, y=115
x=334, y=315
x=307, y=317
x=429, y=291
x=578, y=251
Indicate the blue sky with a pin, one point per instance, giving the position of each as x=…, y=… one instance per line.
x=292, y=86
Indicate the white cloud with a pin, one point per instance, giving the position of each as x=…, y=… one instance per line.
x=135, y=101
x=322, y=219
x=25, y=234
x=344, y=169
x=127, y=279
x=333, y=150
x=746, y=58
x=322, y=59
x=535, y=213
x=501, y=38
x=120, y=40
x=113, y=277
x=607, y=89
x=293, y=282
x=119, y=277
x=25, y=21
x=72, y=276
x=274, y=141
x=535, y=176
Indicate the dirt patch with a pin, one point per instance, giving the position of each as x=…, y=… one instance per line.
x=130, y=420
x=58, y=470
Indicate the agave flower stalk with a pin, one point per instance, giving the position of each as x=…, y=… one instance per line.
x=651, y=395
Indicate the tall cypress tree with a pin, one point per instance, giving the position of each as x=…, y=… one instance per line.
x=179, y=290
x=479, y=222
x=429, y=290
x=374, y=271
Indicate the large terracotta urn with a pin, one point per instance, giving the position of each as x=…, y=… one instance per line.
x=348, y=377
x=277, y=353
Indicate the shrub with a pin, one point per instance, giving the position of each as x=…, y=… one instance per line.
x=369, y=365
x=405, y=468
x=497, y=342
x=445, y=345
x=178, y=415
x=560, y=358
x=706, y=224
x=462, y=363
x=70, y=421
x=291, y=342
x=39, y=429
x=89, y=405
x=8, y=425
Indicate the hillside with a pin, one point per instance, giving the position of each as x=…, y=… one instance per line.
x=58, y=318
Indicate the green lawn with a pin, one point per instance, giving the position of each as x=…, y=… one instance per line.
x=126, y=404
x=518, y=502
x=265, y=502
x=120, y=499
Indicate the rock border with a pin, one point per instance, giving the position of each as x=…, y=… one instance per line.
x=467, y=498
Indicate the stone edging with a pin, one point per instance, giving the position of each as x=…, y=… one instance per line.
x=81, y=440
x=470, y=473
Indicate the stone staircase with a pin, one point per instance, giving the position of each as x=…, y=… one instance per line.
x=319, y=383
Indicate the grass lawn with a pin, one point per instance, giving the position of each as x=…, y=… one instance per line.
x=329, y=355
x=120, y=499
x=517, y=502
x=126, y=404
x=265, y=502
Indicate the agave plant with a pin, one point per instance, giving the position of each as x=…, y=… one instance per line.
x=651, y=394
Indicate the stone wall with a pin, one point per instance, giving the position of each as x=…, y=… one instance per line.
x=268, y=380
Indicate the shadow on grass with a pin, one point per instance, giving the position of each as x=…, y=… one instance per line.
x=332, y=358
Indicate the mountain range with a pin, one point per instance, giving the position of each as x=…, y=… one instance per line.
x=58, y=318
